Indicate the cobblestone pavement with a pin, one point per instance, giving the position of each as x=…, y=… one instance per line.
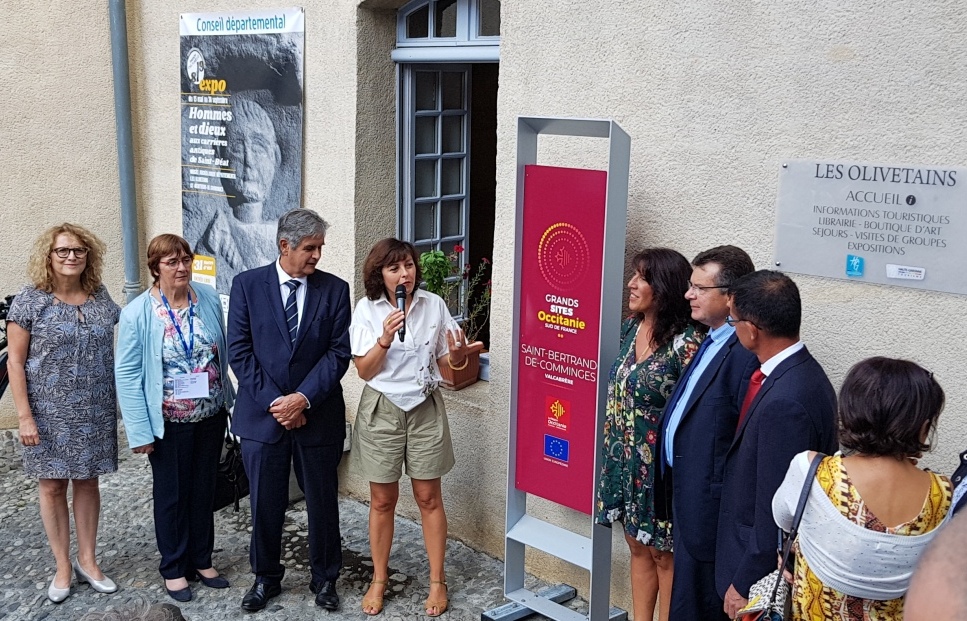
x=127, y=553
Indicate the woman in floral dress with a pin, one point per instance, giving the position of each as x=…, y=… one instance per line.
x=657, y=341
x=61, y=333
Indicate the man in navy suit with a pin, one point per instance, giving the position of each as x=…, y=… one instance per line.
x=288, y=341
x=698, y=426
x=788, y=407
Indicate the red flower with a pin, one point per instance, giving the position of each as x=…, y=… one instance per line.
x=458, y=248
x=485, y=261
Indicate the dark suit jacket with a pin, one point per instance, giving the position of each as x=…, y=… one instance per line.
x=268, y=366
x=794, y=411
x=703, y=437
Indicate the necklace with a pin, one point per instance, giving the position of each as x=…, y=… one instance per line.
x=647, y=351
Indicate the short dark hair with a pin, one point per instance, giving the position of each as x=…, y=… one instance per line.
x=885, y=405
x=770, y=300
x=386, y=252
x=667, y=272
x=733, y=262
x=160, y=247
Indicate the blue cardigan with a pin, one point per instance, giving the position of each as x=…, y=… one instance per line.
x=137, y=364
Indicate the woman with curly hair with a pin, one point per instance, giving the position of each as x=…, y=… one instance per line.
x=657, y=341
x=61, y=364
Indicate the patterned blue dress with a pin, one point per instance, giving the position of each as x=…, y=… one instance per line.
x=70, y=384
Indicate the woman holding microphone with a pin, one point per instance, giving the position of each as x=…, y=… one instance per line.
x=402, y=421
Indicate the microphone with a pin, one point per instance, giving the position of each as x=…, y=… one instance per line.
x=401, y=304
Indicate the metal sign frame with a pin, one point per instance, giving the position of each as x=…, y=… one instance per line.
x=592, y=553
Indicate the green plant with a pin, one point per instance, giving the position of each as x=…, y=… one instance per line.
x=442, y=276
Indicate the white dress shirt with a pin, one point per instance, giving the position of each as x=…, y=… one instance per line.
x=770, y=365
x=300, y=303
x=300, y=293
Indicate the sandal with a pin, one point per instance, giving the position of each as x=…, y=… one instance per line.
x=440, y=605
x=375, y=603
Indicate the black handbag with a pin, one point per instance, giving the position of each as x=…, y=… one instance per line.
x=231, y=482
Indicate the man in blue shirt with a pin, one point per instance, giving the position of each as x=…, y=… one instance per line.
x=698, y=426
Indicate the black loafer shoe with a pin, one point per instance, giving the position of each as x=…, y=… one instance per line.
x=259, y=595
x=326, y=596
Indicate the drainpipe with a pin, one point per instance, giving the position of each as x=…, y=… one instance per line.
x=122, y=114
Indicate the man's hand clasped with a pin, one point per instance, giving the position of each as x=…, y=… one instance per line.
x=288, y=410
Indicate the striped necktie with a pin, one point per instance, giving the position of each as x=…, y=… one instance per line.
x=292, y=310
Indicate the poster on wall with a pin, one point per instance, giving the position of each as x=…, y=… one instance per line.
x=889, y=224
x=560, y=319
x=241, y=133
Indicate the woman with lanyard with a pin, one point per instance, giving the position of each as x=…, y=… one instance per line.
x=174, y=393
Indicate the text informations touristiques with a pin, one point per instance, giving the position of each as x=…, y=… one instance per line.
x=880, y=223
x=560, y=314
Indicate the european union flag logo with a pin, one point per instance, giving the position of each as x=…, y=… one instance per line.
x=556, y=448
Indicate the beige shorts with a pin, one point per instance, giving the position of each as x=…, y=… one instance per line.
x=385, y=438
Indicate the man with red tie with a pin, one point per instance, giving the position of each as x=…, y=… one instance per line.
x=788, y=407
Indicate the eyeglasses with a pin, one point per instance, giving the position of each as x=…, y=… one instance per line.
x=732, y=321
x=63, y=253
x=174, y=263
x=698, y=289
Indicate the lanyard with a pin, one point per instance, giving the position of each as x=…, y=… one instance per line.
x=190, y=345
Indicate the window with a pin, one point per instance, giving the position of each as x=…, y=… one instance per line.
x=449, y=22
x=436, y=158
x=447, y=52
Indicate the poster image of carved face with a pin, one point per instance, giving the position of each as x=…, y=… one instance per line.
x=252, y=151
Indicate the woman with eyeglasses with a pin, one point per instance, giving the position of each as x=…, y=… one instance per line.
x=657, y=341
x=174, y=393
x=60, y=334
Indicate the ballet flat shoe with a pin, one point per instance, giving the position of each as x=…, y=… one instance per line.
x=56, y=594
x=101, y=586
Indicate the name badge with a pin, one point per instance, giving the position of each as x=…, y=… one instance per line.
x=191, y=386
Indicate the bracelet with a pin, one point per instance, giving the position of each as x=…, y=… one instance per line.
x=466, y=361
x=380, y=343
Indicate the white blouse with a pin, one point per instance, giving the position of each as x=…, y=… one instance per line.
x=844, y=555
x=409, y=374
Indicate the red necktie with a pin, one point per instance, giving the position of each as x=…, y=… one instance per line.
x=755, y=383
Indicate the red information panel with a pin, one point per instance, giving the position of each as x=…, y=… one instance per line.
x=560, y=308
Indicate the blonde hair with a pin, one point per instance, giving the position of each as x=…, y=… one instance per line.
x=39, y=268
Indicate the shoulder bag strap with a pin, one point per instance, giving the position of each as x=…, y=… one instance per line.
x=794, y=531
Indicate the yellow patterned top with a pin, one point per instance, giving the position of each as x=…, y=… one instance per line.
x=814, y=601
